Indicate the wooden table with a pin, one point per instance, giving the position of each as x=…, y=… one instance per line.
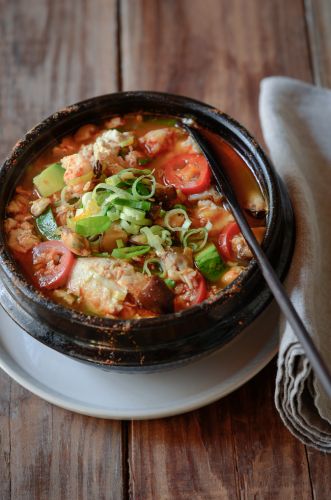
x=53, y=53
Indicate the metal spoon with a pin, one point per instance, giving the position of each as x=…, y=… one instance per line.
x=321, y=370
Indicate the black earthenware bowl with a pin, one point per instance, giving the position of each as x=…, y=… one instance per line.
x=151, y=343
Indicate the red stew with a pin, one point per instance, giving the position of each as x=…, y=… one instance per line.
x=122, y=219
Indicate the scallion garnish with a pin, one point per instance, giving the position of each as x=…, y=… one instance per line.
x=153, y=266
x=129, y=252
x=175, y=212
x=195, y=238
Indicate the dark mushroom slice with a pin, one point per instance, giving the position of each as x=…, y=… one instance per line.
x=240, y=248
x=156, y=296
x=256, y=207
x=165, y=195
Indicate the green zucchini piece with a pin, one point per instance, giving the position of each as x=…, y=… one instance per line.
x=209, y=262
x=50, y=180
x=91, y=226
x=47, y=226
x=166, y=122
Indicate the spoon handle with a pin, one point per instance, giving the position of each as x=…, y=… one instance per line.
x=318, y=364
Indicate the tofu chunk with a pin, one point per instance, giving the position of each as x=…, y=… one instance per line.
x=102, y=284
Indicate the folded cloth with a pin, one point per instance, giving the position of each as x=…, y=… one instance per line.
x=296, y=124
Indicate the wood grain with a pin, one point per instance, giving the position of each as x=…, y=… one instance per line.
x=5, y=385
x=190, y=456
x=318, y=17
x=53, y=54
x=213, y=50
x=216, y=51
x=320, y=473
x=236, y=448
x=270, y=462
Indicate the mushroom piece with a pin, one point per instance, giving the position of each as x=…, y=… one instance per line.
x=165, y=195
x=156, y=296
x=256, y=206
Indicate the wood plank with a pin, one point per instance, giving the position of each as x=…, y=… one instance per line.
x=318, y=17
x=235, y=448
x=58, y=454
x=5, y=385
x=53, y=54
x=270, y=462
x=213, y=50
x=320, y=473
x=216, y=51
x=184, y=457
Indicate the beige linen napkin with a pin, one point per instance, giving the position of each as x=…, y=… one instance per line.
x=296, y=123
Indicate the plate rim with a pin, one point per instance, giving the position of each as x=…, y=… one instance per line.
x=10, y=366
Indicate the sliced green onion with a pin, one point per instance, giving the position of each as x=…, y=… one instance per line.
x=129, y=252
x=129, y=227
x=121, y=192
x=101, y=186
x=139, y=204
x=177, y=211
x=135, y=216
x=133, y=220
x=195, y=238
x=179, y=205
x=127, y=174
x=113, y=180
x=100, y=197
x=85, y=198
x=164, y=235
x=119, y=243
x=91, y=226
x=139, y=184
x=160, y=272
x=170, y=283
x=143, y=161
x=113, y=214
x=152, y=239
x=136, y=171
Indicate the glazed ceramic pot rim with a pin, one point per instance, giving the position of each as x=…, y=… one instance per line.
x=9, y=265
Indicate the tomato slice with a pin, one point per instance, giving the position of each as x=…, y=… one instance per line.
x=225, y=241
x=188, y=172
x=192, y=297
x=52, y=262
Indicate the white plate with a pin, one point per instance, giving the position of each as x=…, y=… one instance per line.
x=93, y=391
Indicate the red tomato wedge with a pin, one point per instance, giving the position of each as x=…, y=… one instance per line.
x=188, y=172
x=53, y=263
x=225, y=241
x=192, y=297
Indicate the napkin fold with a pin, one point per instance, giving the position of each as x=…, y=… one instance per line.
x=296, y=124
